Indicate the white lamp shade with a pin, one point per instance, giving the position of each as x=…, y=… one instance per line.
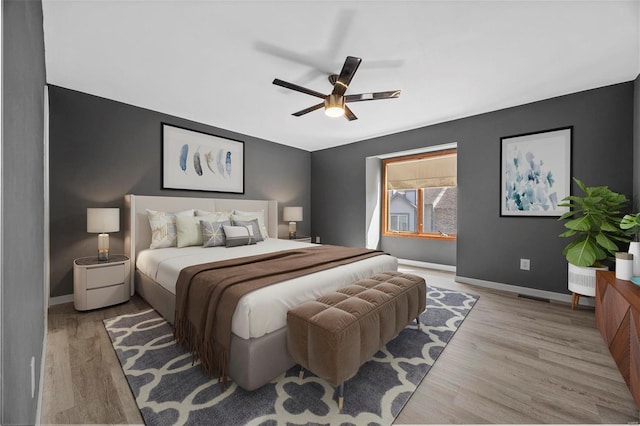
x=102, y=220
x=292, y=214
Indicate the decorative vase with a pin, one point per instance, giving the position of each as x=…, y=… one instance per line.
x=634, y=248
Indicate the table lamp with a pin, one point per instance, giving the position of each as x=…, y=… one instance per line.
x=101, y=221
x=292, y=215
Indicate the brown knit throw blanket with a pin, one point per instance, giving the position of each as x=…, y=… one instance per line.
x=207, y=294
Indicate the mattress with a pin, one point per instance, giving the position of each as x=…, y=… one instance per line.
x=265, y=310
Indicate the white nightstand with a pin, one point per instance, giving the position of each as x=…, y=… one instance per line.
x=301, y=239
x=100, y=283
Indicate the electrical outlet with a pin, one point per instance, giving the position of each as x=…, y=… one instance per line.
x=525, y=264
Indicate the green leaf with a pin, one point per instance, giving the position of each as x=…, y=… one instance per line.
x=579, y=224
x=580, y=184
x=606, y=243
x=582, y=254
x=600, y=254
x=608, y=227
x=568, y=233
x=567, y=215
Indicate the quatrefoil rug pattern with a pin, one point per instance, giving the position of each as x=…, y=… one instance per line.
x=170, y=390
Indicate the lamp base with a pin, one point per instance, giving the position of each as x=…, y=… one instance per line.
x=292, y=230
x=103, y=255
x=103, y=247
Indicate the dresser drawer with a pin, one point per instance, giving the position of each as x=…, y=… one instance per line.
x=105, y=276
x=99, y=297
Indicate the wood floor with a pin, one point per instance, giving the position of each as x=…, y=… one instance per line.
x=513, y=360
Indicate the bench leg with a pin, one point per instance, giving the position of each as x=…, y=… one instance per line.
x=301, y=374
x=418, y=323
x=341, y=397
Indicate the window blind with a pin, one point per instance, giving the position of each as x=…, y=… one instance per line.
x=429, y=172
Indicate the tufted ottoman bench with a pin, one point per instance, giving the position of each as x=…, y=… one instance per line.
x=335, y=334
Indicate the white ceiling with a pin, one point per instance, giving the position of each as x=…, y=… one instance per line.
x=213, y=61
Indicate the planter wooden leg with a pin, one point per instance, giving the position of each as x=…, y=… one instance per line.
x=575, y=300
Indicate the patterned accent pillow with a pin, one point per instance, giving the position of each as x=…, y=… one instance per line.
x=253, y=215
x=189, y=229
x=253, y=224
x=163, y=227
x=238, y=235
x=213, y=233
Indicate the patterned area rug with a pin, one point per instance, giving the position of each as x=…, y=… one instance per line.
x=170, y=390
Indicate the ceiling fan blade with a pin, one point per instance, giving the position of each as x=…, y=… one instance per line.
x=297, y=88
x=372, y=96
x=349, y=68
x=349, y=115
x=308, y=110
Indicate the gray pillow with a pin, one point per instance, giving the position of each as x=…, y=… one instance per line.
x=213, y=233
x=254, y=225
x=239, y=236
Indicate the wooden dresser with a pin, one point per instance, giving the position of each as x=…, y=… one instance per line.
x=618, y=319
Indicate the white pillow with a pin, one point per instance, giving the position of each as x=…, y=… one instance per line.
x=190, y=230
x=244, y=216
x=200, y=212
x=238, y=235
x=220, y=216
x=163, y=227
x=253, y=224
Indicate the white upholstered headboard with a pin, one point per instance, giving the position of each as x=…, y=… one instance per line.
x=137, y=233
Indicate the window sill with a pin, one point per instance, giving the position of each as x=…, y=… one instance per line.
x=420, y=236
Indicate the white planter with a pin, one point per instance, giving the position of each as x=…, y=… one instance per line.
x=634, y=248
x=582, y=280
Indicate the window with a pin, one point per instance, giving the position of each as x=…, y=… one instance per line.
x=420, y=195
x=399, y=221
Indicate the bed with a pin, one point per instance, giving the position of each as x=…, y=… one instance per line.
x=258, y=350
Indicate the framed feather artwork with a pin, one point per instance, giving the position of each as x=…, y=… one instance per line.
x=536, y=173
x=198, y=161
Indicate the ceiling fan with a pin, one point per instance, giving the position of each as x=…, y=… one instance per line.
x=335, y=102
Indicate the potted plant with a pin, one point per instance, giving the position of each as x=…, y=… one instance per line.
x=593, y=222
x=631, y=224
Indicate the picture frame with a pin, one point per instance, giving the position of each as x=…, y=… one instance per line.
x=535, y=172
x=198, y=161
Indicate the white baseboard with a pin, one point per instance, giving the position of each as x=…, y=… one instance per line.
x=59, y=300
x=560, y=297
x=428, y=265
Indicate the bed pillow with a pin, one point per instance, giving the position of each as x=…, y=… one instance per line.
x=221, y=215
x=190, y=230
x=253, y=224
x=244, y=215
x=163, y=227
x=213, y=233
x=238, y=236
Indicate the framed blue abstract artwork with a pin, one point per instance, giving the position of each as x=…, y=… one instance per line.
x=201, y=162
x=535, y=173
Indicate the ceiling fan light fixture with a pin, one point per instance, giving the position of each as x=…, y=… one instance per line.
x=335, y=103
x=334, y=106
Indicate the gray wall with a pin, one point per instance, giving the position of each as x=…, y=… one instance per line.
x=23, y=80
x=489, y=246
x=101, y=150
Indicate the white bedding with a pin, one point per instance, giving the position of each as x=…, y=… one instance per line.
x=265, y=310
